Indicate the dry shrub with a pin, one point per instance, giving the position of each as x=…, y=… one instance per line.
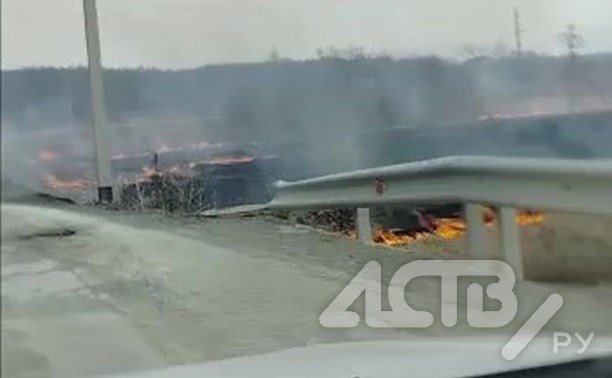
x=166, y=192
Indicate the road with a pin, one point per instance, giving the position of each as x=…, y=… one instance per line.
x=90, y=292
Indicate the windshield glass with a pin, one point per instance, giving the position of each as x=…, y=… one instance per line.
x=187, y=182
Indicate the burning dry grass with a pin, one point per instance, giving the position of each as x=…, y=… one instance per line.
x=396, y=239
x=426, y=228
x=530, y=218
x=53, y=182
x=450, y=228
x=556, y=247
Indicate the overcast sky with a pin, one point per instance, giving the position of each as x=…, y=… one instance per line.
x=187, y=33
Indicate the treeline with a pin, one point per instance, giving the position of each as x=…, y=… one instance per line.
x=300, y=98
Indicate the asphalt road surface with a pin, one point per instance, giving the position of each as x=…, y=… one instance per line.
x=90, y=292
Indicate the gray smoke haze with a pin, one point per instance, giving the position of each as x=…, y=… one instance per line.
x=320, y=109
x=340, y=112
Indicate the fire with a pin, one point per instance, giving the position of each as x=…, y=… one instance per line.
x=46, y=155
x=529, y=218
x=229, y=160
x=391, y=238
x=74, y=184
x=451, y=228
x=147, y=174
x=488, y=216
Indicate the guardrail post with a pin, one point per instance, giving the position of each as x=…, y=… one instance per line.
x=364, y=226
x=510, y=240
x=476, y=243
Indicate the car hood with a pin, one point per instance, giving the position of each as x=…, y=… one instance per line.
x=424, y=357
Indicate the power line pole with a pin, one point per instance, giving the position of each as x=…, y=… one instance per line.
x=518, y=33
x=98, y=106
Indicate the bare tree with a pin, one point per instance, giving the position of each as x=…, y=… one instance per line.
x=274, y=55
x=469, y=52
x=350, y=53
x=572, y=40
x=499, y=50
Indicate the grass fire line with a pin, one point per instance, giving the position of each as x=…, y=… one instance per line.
x=448, y=228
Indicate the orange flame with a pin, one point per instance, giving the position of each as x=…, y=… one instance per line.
x=228, y=160
x=529, y=218
x=149, y=173
x=75, y=184
x=451, y=228
x=390, y=238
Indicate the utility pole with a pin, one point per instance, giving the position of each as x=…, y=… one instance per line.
x=518, y=33
x=98, y=106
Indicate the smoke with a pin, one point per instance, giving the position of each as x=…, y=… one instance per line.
x=31, y=158
x=343, y=111
x=21, y=172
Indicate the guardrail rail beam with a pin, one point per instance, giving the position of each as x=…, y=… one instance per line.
x=583, y=186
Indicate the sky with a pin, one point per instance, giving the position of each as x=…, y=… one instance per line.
x=190, y=33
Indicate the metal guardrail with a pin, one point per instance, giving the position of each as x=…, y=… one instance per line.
x=567, y=185
x=506, y=184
